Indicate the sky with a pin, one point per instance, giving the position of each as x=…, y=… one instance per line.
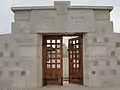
x=7, y=16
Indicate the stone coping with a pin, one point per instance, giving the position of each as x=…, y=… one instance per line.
x=110, y=8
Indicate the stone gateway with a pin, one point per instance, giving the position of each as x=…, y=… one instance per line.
x=33, y=55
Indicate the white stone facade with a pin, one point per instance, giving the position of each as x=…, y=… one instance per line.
x=21, y=51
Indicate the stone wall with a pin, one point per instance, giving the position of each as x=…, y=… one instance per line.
x=102, y=56
x=21, y=52
x=18, y=60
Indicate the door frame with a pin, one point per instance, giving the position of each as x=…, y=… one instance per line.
x=73, y=34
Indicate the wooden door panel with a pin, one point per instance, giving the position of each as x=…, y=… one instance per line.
x=52, y=60
x=75, y=60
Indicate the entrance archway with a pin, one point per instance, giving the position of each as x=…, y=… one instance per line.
x=53, y=59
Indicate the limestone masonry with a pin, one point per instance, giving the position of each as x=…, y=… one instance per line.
x=21, y=51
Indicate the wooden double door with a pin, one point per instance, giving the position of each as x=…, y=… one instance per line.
x=53, y=60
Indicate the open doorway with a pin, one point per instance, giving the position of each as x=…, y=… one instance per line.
x=62, y=59
x=73, y=60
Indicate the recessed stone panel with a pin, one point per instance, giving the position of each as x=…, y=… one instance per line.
x=93, y=72
x=118, y=62
x=106, y=40
x=102, y=15
x=62, y=7
x=23, y=73
x=11, y=73
x=107, y=63
x=113, y=72
x=94, y=39
x=6, y=63
x=117, y=44
x=17, y=64
x=22, y=15
x=112, y=53
x=11, y=54
x=1, y=54
x=102, y=72
x=95, y=63
x=6, y=46
x=1, y=73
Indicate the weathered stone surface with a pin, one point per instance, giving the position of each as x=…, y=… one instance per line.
x=27, y=51
x=96, y=51
x=102, y=15
x=25, y=39
x=62, y=7
x=21, y=52
x=22, y=16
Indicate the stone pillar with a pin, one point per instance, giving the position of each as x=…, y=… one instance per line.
x=39, y=60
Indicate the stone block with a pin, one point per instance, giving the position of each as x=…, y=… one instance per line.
x=22, y=16
x=1, y=54
x=112, y=52
x=5, y=82
x=86, y=82
x=27, y=51
x=108, y=63
x=19, y=83
x=112, y=81
x=5, y=39
x=31, y=81
x=25, y=39
x=102, y=72
x=96, y=51
x=118, y=62
x=113, y=64
x=39, y=65
x=93, y=79
x=6, y=54
x=89, y=37
x=37, y=16
x=102, y=15
x=114, y=38
x=27, y=63
x=97, y=69
x=62, y=7
x=104, y=28
x=95, y=63
x=117, y=44
x=21, y=28
x=1, y=64
x=27, y=71
x=96, y=39
x=15, y=28
x=80, y=19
